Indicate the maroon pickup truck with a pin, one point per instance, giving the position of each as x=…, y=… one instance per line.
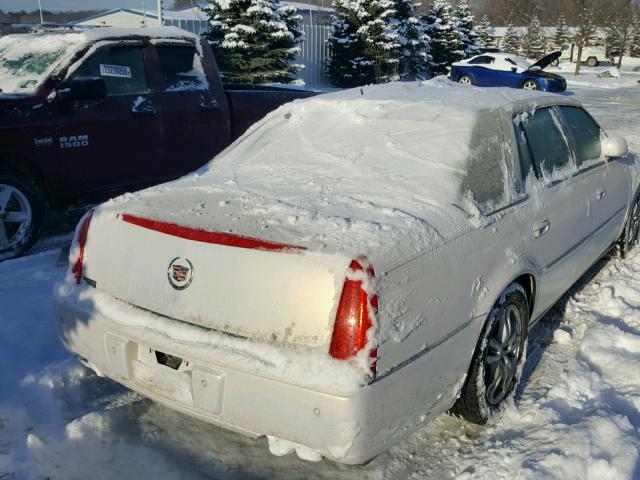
x=86, y=116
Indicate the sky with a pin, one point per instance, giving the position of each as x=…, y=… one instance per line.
x=58, y=5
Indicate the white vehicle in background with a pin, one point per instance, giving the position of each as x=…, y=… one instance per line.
x=592, y=56
x=356, y=264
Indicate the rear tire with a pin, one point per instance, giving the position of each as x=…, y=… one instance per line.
x=496, y=366
x=592, y=62
x=22, y=211
x=466, y=80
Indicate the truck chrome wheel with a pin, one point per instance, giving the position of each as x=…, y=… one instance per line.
x=15, y=216
x=503, y=353
x=530, y=85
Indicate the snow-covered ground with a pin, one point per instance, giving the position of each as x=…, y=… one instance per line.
x=577, y=415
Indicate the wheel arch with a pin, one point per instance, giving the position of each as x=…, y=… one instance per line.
x=27, y=168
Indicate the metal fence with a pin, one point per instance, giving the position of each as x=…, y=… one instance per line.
x=313, y=53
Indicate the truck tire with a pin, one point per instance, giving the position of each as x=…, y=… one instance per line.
x=592, y=62
x=496, y=366
x=22, y=210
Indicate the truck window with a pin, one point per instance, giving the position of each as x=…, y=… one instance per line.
x=122, y=69
x=546, y=141
x=586, y=133
x=181, y=67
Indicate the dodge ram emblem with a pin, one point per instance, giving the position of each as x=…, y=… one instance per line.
x=180, y=273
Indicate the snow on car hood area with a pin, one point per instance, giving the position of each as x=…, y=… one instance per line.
x=375, y=171
x=575, y=416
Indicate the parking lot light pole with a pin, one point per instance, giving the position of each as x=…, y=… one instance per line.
x=40, y=8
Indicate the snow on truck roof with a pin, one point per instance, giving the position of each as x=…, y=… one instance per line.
x=358, y=171
x=27, y=59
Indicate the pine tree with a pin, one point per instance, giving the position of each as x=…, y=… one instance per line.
x=511, y=41
x=465, y=25
x=562, y=35
x=413, y=52
x=362, y=43
x=446, y=44
x=255, y=41
x=483, y=32
x=534, y=40
x=635, y=39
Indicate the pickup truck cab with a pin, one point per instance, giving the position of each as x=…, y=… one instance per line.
x=85, y=116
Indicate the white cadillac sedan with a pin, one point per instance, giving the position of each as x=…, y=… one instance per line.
x=356, y=264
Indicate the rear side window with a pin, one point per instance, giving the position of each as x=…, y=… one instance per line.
x=483, y=60
x=586, y=133
x=545, y=141
x=486, y=175
x=122, y=69
x=181, y=67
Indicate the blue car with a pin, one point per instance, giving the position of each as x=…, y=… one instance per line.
x=505, y=70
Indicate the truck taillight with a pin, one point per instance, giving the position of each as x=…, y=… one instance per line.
x=83, y=232
x=353, y=318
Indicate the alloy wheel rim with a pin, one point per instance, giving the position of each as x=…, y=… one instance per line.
x=15, y=216
x=503, y=353
x=530, y=86
x=465, y=80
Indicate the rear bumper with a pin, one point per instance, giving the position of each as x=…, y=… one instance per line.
x=345, y=428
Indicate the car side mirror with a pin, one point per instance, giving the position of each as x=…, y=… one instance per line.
x=82, y=88
x=614, y=147
x=514, y=69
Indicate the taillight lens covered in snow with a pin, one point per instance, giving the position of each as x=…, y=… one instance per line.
x=83, y=232
x=353, y=318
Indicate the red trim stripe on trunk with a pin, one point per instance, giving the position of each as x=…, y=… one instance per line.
x=205, y=236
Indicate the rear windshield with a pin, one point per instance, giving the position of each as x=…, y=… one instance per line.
x=27, y=60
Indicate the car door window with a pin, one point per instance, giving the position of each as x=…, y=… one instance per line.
x=181, y=67
x=121, y=67
x=586, y=133
x=483, y=60
x=546, y=143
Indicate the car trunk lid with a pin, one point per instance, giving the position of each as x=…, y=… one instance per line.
x=236, y=284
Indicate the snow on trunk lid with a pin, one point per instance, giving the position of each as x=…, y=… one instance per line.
x=239, y=285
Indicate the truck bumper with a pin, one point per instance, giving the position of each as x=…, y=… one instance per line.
x=348, y=429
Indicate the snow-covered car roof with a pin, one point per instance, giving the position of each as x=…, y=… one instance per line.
x=27, y=59
x=502, y=61
x=342, y=170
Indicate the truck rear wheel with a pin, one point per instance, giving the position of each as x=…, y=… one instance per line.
x=21, y=214
x=593, y=62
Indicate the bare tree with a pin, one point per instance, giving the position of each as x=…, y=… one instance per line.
x=620, y=27
x=585, y=27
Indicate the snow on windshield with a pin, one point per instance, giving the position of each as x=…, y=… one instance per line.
x=26, y=60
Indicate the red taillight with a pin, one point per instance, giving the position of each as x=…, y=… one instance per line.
x=353, y=319
x=78, y=267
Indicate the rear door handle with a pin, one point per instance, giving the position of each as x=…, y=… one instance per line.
x=144, y=112
x=541, y=228
x=212, y=106
x=600, y=193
